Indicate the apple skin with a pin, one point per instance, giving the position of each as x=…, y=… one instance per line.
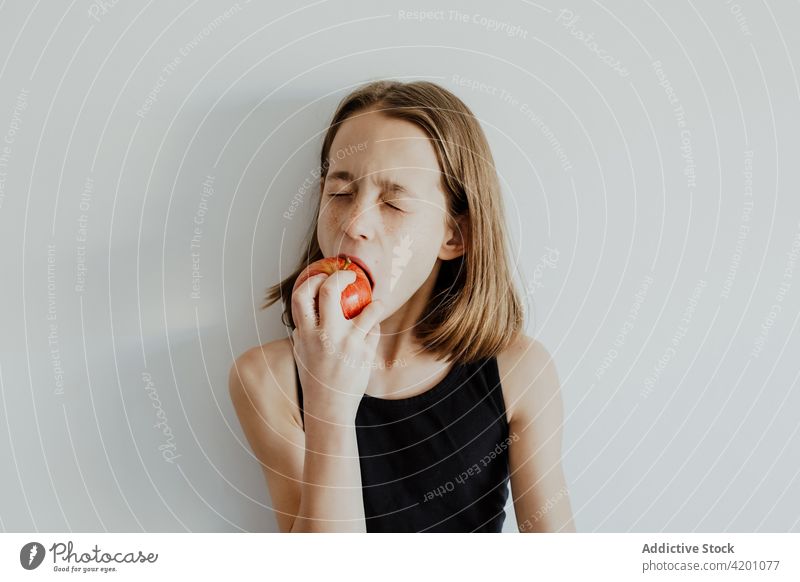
x=355, y=297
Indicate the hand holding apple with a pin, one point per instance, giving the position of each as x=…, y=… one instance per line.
x=355, y=296
x=334, y=356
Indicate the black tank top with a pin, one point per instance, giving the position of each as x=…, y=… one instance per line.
x=437, y=461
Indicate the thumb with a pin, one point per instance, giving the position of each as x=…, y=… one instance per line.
x=369, y=316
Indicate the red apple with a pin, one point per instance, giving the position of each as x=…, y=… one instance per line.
x=355, y=297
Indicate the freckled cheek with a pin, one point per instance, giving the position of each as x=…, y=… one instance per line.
x=328, y=224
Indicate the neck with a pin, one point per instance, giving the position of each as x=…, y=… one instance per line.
x=397, y=343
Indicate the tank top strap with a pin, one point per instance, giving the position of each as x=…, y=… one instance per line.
x=299, y=392
x=489, y=370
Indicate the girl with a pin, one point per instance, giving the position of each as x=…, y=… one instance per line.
x=397, y=420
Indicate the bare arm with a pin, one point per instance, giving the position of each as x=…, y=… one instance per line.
x=541, y=497
x=314, y=478
x=331, y=498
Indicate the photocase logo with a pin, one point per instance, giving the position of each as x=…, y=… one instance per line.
x=402, y=254
x=31, y=555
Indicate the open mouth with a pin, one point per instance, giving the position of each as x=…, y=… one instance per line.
x=361, y=264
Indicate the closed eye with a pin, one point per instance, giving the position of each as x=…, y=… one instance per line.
x=337, y=194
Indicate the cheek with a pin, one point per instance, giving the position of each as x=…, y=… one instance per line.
x=415, y=245
x=413, y=255
x=327, y=225
x=426, y=232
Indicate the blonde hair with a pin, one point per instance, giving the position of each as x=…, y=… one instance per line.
x=474, y=310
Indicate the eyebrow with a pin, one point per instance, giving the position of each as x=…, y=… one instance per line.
x=348, y=177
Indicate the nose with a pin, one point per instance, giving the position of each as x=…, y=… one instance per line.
x=362, y=218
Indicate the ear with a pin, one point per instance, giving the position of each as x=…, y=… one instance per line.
x=456, y=236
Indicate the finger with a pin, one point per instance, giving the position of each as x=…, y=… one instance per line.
x=330, y=297
x=304, y=312
x=369, y=316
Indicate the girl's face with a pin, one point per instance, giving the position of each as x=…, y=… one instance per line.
x=382, y=201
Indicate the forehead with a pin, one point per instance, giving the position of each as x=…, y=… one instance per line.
x=387, y=151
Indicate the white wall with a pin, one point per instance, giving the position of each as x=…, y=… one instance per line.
x=594, y=163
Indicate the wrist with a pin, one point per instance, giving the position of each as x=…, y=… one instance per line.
x=329, y=437
x=329, y=418
x=333, y=409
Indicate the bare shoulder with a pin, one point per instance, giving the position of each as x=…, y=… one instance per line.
x=263, y=376
x=528, y=375
x=262, y=390
x=531, y=388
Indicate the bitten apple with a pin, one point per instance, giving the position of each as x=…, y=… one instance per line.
x=355, y=297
